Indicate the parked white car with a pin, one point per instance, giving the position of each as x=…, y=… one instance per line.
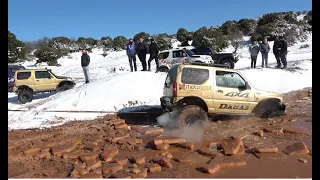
x=179, y=55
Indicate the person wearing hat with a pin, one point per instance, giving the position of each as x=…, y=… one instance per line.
x=131, y=53
x=154, y=51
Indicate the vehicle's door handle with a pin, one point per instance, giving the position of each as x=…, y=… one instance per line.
x=37, y=80
x=220, y=91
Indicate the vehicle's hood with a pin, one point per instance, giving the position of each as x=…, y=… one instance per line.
x=204, y=57
x=63, y=77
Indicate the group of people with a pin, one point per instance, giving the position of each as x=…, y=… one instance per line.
x=280, y=51
x=142, y=49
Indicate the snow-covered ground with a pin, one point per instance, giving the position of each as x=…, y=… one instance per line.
x=114, y=88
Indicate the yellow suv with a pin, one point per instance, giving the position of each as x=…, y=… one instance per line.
x=31, y=81
x=195, y=90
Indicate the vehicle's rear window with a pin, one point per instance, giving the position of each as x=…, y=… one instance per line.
x=23, y=75
x=194, y=76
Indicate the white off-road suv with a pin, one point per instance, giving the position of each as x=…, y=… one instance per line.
x=179, y=55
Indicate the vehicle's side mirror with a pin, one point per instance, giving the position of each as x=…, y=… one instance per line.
x=184, y=54
x=245, y=87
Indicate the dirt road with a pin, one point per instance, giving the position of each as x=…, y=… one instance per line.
x=229, y=147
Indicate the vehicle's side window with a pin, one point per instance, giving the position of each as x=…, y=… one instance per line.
x=23, y=75
x=163, y=55
x=42, y=74
x=194, y=76
x=229, y=79
x=179, y=53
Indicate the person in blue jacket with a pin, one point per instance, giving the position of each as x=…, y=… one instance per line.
x=131, y=52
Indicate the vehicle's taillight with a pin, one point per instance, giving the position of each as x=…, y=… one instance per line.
x=14, y=82
x=175, y=89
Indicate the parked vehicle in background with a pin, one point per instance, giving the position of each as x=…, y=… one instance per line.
x=171, y=57
x=228, y=59
x=28, y=82
x=11, y=70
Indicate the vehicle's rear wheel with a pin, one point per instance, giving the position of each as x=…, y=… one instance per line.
x=163, y=69
x=192, y=114
x=25, y=96
x=228, y=63
x=272, y=113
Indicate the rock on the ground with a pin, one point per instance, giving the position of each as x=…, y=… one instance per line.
x=210, y=169
x=152, y=168
x=296, y=148
x=163, y=161
x=186, y=145
x=270, y=156
x=162, y=146
x=274, y=129
x=167, y=140
x=111, y=168
x=296, y=130
x=154, y=131
x=92, y=175
x=231, y=146
x=266, y=149
x=206, y=152
x=302, y=160
x=138, y=158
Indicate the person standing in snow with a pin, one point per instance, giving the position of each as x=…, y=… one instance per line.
x=254, y=51
x=264, y=49
x=154, y=51
x=131, y=52
x=142, y=50
x=276, y=51
x=85, y=61
x=283, y=48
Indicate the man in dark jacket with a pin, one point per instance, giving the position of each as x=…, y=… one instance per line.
x=131, y=52
x=276, y=51
x=142, y=50
x=154, y=51
x=283, y=47
x=85, y=61
x=264, y=49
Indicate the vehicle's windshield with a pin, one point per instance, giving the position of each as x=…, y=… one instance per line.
x=50, y=71
x=189, y=52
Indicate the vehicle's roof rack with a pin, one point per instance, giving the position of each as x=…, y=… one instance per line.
x=211, y=65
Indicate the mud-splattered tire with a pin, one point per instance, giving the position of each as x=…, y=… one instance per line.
x=272, y=113
x=192, y=114
x=25, y=96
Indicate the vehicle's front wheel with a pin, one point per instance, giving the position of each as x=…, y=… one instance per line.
x=25, y=96
x=65, y=86
x=228, y=63
x=192, y=114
